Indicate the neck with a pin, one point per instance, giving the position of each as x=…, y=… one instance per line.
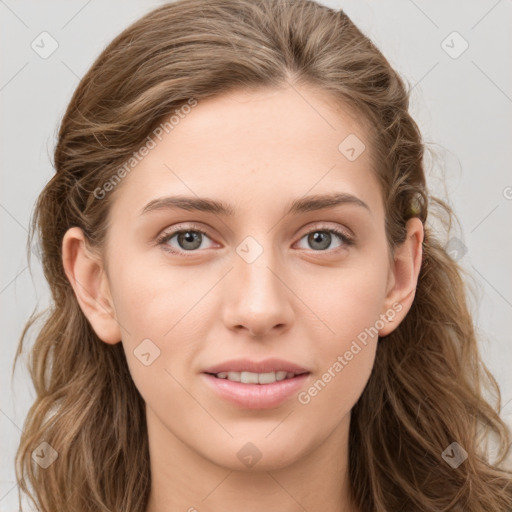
x=184, y=480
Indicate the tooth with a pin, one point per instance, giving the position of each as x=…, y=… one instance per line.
x=255, y=378
x=267, y=378
x=235, y=376
x=249, y=378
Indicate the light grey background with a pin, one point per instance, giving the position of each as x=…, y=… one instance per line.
x=463, y=106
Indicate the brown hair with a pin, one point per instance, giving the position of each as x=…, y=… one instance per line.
x=427, y=387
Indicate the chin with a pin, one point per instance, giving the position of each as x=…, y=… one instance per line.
x=253, y=454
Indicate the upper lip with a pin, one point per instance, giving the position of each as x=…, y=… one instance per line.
x=265, y=366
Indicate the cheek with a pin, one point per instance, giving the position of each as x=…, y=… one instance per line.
x=347, y=300
x=346, y=357
x=155, y=308
x=350, y=304
x=333, y=392
x=152, y=301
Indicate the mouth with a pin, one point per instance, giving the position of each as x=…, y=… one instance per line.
x=246, y=377
x=253, y=384
x=251, y=390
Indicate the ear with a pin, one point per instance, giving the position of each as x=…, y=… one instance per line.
x=403, y=277
x=86, y=273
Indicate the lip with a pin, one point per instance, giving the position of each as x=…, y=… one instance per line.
x=256, y=396
x=265, y=366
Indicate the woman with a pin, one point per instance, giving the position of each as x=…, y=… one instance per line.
x=249, y=308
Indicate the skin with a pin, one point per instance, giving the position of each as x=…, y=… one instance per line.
x=256, y=151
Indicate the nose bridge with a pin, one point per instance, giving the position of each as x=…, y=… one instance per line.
x=255, y=267
x=258, y=297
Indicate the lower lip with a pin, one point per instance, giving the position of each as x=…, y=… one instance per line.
x=256, y=396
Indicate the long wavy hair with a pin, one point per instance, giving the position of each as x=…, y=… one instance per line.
x=428, y=386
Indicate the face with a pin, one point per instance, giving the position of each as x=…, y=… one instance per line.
x=263, y=287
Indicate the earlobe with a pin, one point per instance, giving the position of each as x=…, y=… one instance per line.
x=86, y=274
x=405, y=273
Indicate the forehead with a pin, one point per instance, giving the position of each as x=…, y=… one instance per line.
x=256, y=150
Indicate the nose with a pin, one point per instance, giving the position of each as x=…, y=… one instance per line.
x=258, y=296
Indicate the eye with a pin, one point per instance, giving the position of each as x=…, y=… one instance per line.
x=320, y=238
x=191, y=238
x=188, y=240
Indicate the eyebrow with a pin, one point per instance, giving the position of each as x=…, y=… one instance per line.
x=204, y=204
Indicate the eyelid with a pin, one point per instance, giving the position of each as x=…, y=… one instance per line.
x=166, y=234
x=326, y=227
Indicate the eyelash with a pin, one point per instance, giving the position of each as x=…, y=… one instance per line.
x=166, y=236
